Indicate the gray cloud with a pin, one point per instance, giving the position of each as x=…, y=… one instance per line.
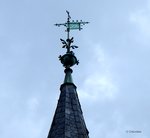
x=112, y=77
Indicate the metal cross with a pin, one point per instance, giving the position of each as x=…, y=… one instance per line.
x=72, y=25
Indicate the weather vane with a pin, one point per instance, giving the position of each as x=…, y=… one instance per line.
x=72, y=25
x=69, y=59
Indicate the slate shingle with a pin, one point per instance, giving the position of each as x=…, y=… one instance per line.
x=68, y=121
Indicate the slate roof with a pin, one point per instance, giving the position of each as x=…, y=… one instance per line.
x=68, y=121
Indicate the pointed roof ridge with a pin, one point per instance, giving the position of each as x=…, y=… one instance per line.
x=68, y=121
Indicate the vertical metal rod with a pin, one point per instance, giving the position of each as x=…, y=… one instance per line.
x=68, y=31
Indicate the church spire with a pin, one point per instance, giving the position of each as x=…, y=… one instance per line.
x=68, y=121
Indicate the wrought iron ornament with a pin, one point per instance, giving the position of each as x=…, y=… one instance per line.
x=69, y=58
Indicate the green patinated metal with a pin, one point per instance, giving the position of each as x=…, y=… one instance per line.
x=72, y=25
x=69, y=59
x=68, y=76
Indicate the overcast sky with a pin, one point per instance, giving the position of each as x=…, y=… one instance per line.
x=112, y=79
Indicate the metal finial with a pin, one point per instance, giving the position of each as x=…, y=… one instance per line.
x=69, y=58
